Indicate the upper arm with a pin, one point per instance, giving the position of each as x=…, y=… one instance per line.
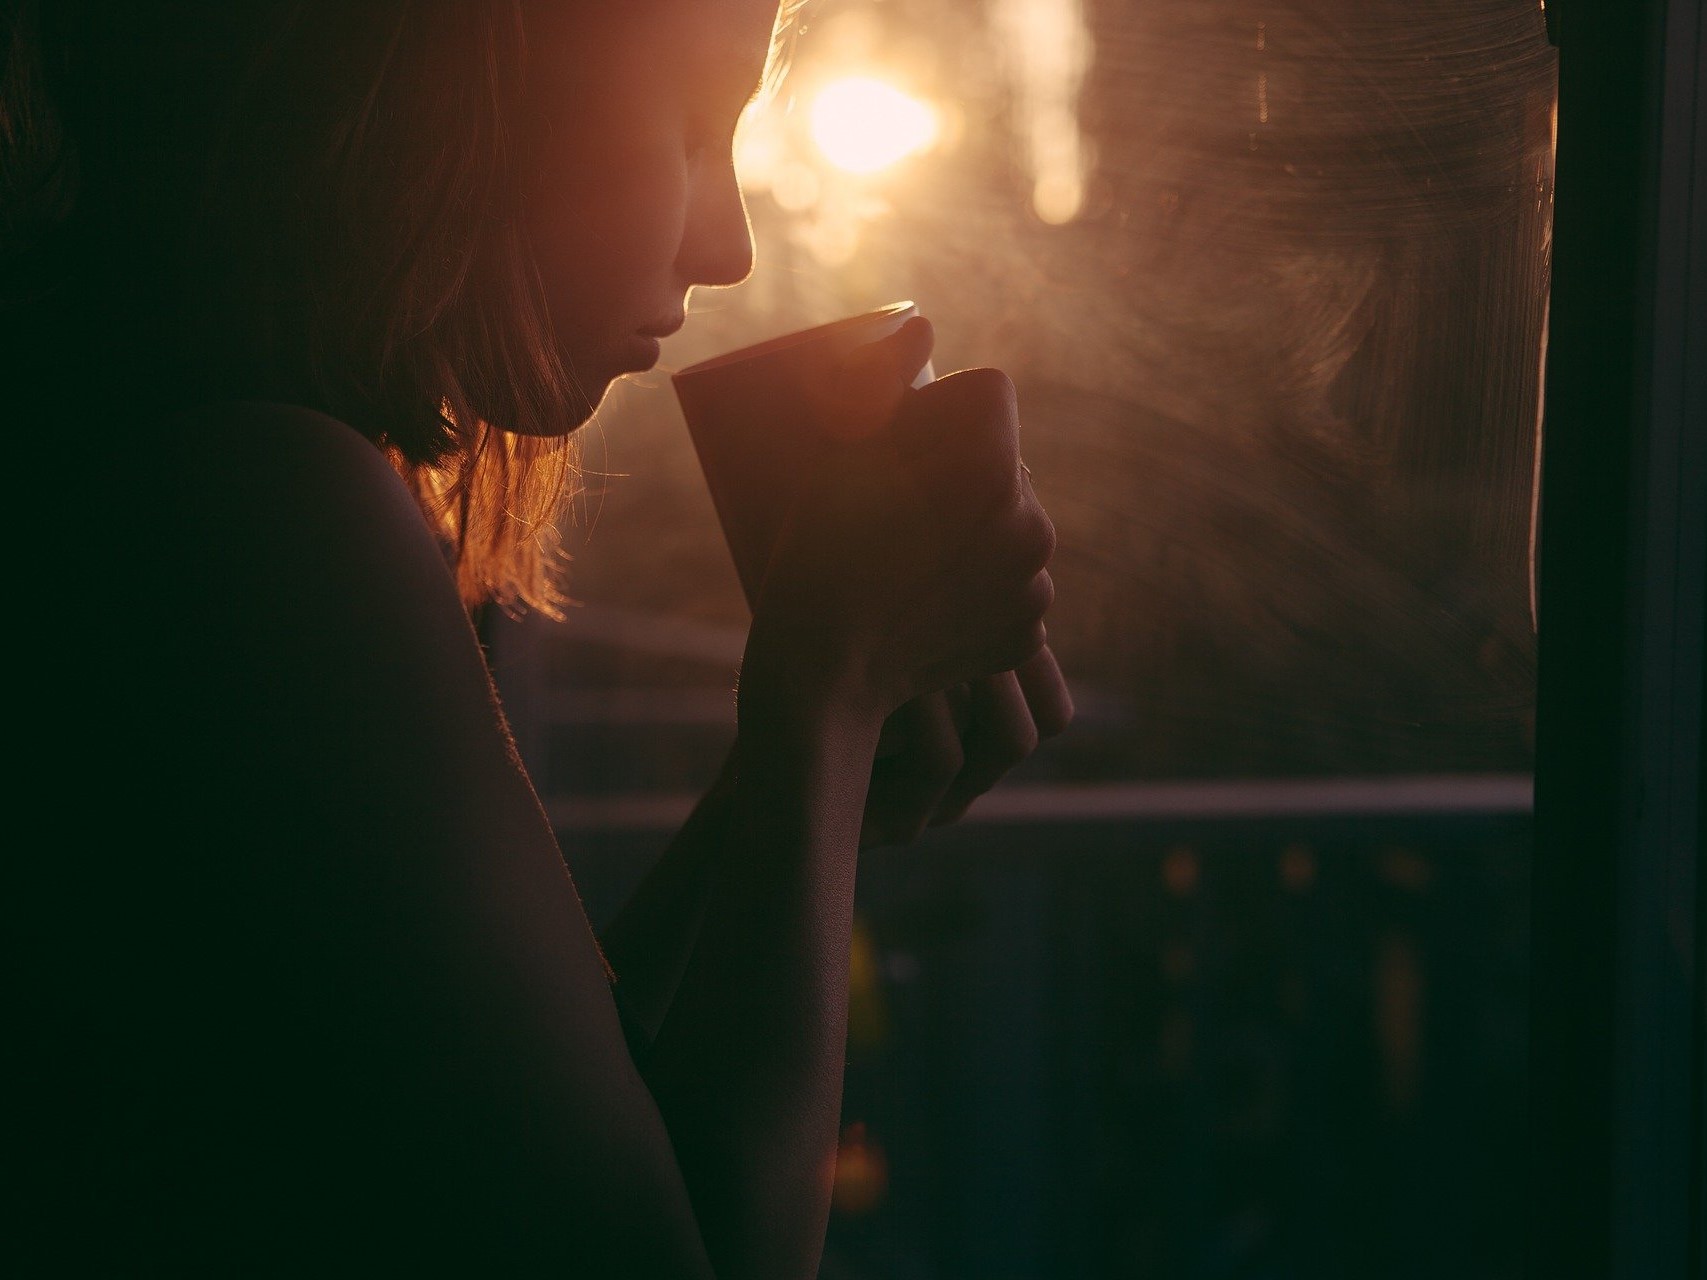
x=412, y=1008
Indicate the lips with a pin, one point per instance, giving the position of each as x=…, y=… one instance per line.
x=640, y=353
x=662, y=328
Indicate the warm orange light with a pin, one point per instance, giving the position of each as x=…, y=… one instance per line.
x=862, y=124
x=862, y=1173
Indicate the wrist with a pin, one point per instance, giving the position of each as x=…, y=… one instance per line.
x=806, y=738
x=797, y=682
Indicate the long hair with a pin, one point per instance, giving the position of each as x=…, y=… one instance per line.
x=301, y=200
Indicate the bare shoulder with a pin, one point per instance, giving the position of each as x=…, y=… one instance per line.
x=285, y=510
x=318, y=617
x=370, y=893
x=271, y=425
x=267, y=460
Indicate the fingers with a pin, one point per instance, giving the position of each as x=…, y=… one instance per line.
x=947, y=749
x=1000, y=733
x=962, y=433
x=1046, y=693
x=907, y=785
x=1012, y=542
x=873, y=379
x=1018, y=639
x=894, y=738
x=908, y=350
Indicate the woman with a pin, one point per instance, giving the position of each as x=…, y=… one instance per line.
x=324, y=289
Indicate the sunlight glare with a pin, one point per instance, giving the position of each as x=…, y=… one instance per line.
x=862, y=124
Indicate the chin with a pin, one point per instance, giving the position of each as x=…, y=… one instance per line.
x=574, y=414
x=591, y=374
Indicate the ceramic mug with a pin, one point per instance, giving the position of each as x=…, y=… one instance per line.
x=761, y=416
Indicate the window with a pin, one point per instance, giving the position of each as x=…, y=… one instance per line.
x=1229, y=979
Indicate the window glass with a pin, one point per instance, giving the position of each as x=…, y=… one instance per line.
x=1271, y=281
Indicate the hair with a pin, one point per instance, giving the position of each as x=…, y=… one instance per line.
x=302, y=200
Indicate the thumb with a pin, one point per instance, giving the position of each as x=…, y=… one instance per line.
x=873, y=379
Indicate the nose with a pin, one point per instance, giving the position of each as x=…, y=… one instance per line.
x=717, y=241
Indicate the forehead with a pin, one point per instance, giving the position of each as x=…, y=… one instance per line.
x=746, y=23
x=734, y=32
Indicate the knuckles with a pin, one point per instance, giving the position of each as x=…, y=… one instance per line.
x=1054, y=720
x=970, y=394
x=1027, y=540
x=1014, y=746
x=990, y=393
x=1017, y=646
x=1041, y=535
x=1039, y=595
x=967, y=421
x=1029, y=644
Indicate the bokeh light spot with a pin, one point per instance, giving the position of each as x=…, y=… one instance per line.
x=862, y=124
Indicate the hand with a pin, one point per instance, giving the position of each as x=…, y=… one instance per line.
x=914, y=559
x=940, y=752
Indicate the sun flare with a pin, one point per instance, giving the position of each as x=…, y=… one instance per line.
x=862, y=124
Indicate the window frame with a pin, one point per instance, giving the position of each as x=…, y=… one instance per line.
x=1617, y=1111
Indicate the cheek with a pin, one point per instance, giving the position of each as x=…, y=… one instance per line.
x=607, y=227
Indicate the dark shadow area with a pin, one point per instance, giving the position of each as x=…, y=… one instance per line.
x=1275, y=1049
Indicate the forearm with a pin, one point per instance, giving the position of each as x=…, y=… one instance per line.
x=652, y=938
x=747, y=1065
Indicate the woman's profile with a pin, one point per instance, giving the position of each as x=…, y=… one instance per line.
x=324, y=290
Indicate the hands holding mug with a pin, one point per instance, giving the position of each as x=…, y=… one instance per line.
x=942, y=750
x=892, y=549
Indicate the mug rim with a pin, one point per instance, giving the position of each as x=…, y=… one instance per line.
x=787, y=341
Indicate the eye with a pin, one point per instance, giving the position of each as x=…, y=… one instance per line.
x=715, y=129
x=711, y=133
